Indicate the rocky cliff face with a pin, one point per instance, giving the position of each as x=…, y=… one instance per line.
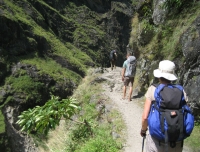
x=160, y=35
x=190, y=70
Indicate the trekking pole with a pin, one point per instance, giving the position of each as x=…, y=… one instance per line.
x=143, y=143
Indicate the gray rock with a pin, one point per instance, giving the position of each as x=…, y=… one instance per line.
x=159, y=13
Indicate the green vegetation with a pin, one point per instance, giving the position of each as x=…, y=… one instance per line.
x=2, y=125
x=105, y=144
x=24, y=84
x=3, y=137
x=91, y=129
x=193, y=140
x=98, y=136
x=57, y=47
x=53, y=69
x=79, y=55
x=166, y=38
x=175, y=4
x=87, y=35
x=42, y=119
x=77, y=61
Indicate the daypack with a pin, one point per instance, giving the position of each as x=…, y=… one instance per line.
x=131, y=66
x=170, y=119
x=112, y=55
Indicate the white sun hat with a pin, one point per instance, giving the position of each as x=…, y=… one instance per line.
x=165, y=70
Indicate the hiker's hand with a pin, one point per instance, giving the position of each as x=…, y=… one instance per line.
x=143, y=133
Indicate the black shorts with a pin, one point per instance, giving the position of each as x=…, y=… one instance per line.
x=128, y=81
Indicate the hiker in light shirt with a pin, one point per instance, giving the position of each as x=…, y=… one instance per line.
x=128, y=74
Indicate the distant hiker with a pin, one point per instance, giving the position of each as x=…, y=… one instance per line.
x=166, y=114
x=113, y=58
x=128, y=73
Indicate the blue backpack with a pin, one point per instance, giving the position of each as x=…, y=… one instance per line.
x=170, y=119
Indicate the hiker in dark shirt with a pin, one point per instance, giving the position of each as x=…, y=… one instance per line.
x=113, y=58
x=165, y=73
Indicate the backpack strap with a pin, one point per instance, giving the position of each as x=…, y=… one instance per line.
x=158, y=87
x=157, y=93
x=155, y=85
x=183, y=102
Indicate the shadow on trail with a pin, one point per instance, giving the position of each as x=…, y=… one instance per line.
x=139, y=95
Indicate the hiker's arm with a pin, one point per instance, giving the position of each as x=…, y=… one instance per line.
x=116, y=55
x=147, y=106
x=185, y=96
x=123, y=73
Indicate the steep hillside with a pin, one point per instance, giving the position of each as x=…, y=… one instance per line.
x=46, y=47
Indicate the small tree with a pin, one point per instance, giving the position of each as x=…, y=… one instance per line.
x=42, y=119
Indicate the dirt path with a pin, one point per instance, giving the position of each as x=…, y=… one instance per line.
x=131, y=111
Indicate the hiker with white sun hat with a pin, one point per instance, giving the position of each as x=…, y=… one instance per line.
x=165, y=70
x=166, y=74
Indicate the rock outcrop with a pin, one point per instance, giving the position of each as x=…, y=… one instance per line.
x=190, y=70
x=159, y=13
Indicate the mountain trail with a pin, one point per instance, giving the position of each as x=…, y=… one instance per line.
x=131, y=111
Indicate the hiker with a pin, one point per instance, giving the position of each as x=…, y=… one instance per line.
x=128, y=73
x=113, y=58
x=165, y=74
